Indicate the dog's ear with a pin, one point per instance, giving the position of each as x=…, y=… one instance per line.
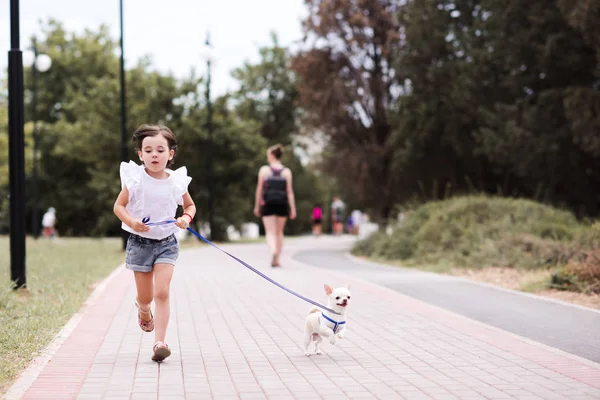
x=348, y=286
x=328, y=289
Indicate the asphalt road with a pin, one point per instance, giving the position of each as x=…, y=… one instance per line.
x=575, y=330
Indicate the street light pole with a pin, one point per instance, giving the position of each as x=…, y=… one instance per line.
x=123, y=107
x=209, y=128
x=16, y=152
x=40, y=63
x=34, y=211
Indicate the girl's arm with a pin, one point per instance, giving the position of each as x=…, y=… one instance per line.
x=189, y=212
x=258, y=194
x=290, y=195
x=123, y=215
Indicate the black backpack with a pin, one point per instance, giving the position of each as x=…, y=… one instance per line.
x=275, y=188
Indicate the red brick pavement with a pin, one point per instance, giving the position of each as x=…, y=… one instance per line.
x=235, y=335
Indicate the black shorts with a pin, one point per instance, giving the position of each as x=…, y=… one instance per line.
x=317, y=221
x=280, y=210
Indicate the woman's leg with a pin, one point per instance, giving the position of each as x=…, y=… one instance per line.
x=144, y=285
x=279, y=226
x=162, y=284
x=338, y=228
x=270, y=233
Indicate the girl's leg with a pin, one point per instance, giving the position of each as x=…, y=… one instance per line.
x=270, y=230
x=279, y=225
x=162, y=283
x=144, y=285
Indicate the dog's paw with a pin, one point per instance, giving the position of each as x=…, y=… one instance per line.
x=319, y=352
x=307, y=354
x=340, y=335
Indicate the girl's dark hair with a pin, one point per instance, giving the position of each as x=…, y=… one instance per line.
x=276, y=150
x=147, y=130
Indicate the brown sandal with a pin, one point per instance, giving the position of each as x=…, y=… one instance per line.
x=146, y=326
x=161, y=351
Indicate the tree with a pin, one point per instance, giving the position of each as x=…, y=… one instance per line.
x=498, y=97
x=237, y=151
x=348, y=91
x=268, y=94
x=268, y=97
x=541, y=130
x=80, y=131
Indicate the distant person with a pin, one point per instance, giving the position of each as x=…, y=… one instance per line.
x=150, y=193
x=356, y=216
x=317, y=219
x=274, y=200
x=349, y=224
x=48, y=223
x=337, y=215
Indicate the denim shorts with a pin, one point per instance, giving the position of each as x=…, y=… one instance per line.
x=142, y=253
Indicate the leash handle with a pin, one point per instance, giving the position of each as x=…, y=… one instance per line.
x=146, y=220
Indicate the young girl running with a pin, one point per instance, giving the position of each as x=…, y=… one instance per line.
x=150, y=193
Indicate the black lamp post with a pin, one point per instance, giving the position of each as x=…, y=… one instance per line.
x=40, y=63
x=123, y=107
x=209, y=128
x=16, y=153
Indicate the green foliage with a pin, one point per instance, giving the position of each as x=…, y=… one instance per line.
x=80, y=135
x=347, y=91
x=268, y=94
x=417, y=100
x=267, y=97
x=237, y=153
x=479, y=231
x=500, y=96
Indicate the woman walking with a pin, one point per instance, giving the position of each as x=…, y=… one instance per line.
x=274, y=200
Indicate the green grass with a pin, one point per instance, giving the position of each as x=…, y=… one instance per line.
x=60, y=276
x=481, y=231
x=535, y=286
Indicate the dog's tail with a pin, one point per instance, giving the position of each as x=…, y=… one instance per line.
x=314, y=310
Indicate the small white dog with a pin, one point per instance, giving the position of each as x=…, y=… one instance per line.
x=324, y=323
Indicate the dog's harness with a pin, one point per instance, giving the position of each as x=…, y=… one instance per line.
x=336, y=324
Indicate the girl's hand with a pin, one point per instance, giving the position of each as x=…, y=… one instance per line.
x=139, y=226
x=182, y=222
x=257, y=211
x=293, y=213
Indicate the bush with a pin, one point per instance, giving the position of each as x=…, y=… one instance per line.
x=481, y=231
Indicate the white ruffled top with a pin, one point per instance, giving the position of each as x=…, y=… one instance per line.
x=153, y=198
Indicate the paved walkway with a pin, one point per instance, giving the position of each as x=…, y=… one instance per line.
x=567, y=327
x=234, y=335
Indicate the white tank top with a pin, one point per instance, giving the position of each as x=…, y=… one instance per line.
x=154, y=198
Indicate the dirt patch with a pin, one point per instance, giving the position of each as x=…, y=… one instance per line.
x=527, y=281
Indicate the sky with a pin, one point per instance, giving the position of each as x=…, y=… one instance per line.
x=171, y=32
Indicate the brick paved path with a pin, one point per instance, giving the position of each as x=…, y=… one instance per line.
x=234, y=335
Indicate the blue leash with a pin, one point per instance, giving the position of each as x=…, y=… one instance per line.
x=245, y=264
